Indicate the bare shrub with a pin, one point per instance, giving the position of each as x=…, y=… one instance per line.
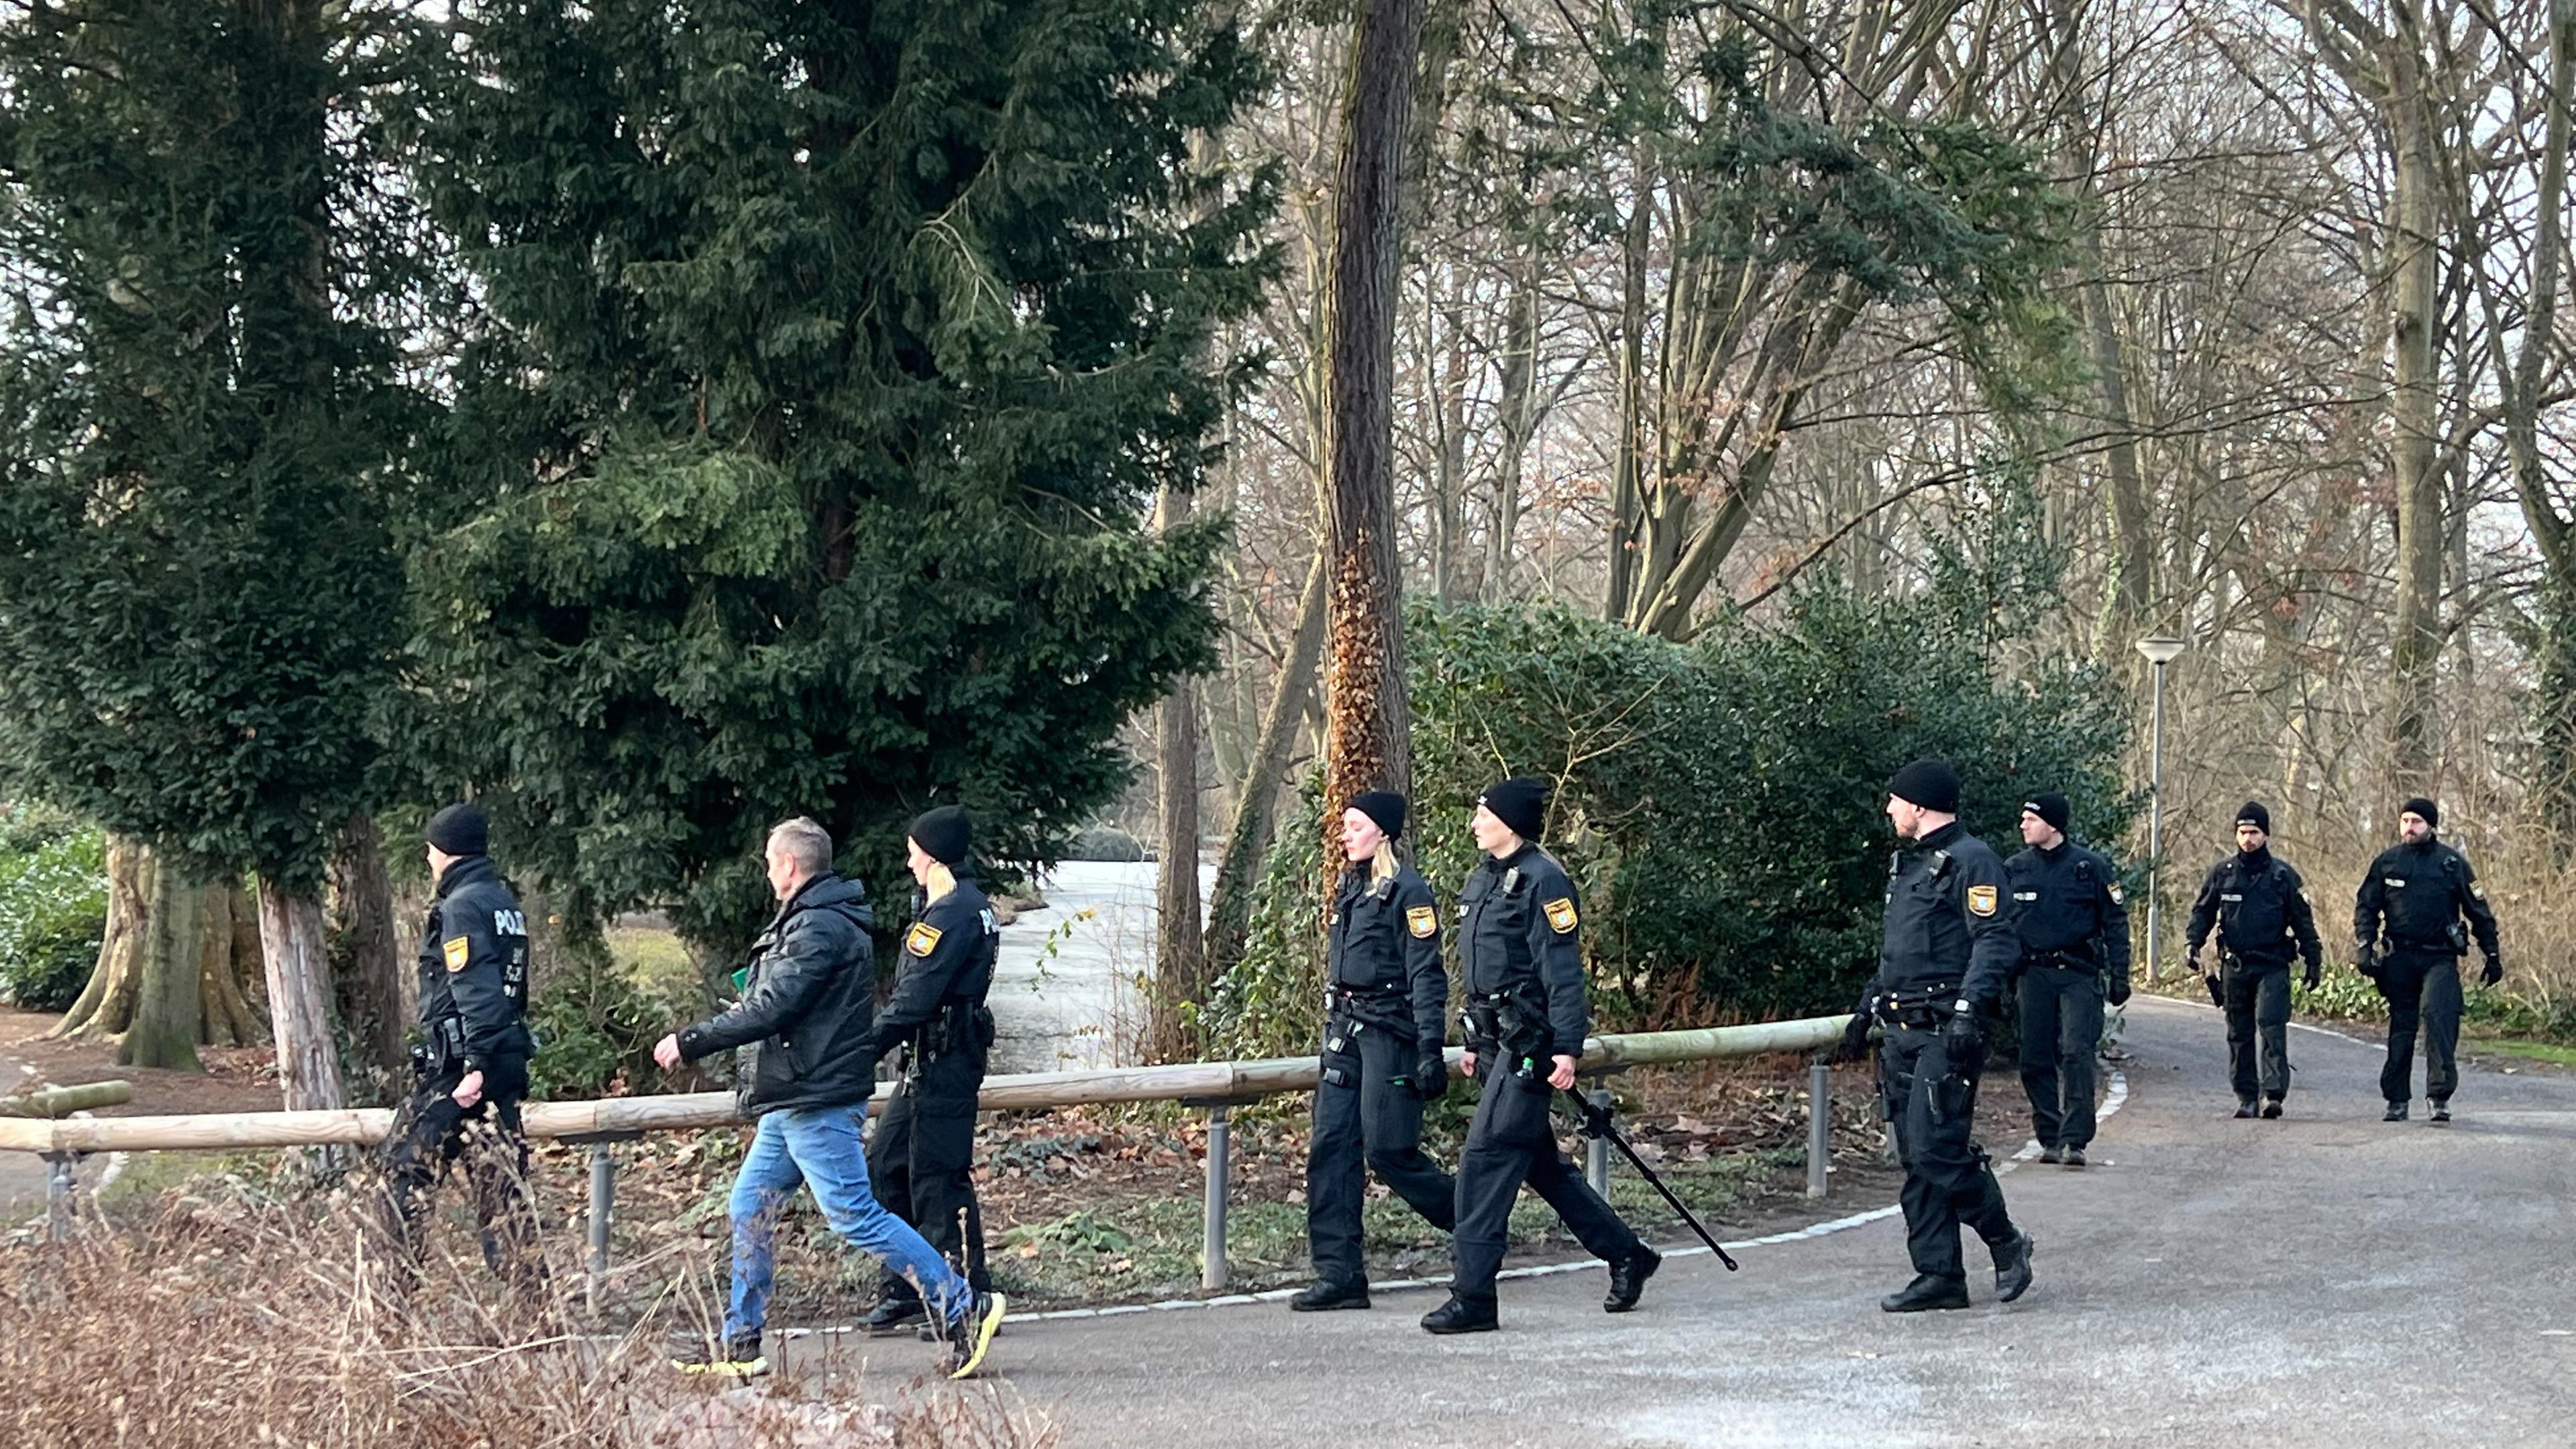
x=221, y=1316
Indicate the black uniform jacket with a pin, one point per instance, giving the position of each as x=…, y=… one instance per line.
x=2260, y=907
x=1384, y=943
x=947, y=959
x=474, y=972
x=2068, y=904
x=2416, y=892
x=1949, y=920
x=1518, y=927
x=807, y=1005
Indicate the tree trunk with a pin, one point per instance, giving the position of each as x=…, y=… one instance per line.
x=1247, y=836
x=366, y=961
x=1180, y=955
x=296, y=948
x=169, y=985
x=2414, y=257
x=1367, y=721
x=2556, y=697
x=2133, y=545
x=1627, y=486
x=174, y=961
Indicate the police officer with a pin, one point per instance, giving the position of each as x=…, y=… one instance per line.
x=1526, y=1021
x=2074, y=929
x=921, y=1160
x=472, y=1066
x=1947, y=949
x=1385, y=1015
x=2260, y=908
x=2417, y=891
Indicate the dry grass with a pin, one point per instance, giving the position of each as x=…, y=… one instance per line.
x=228, y=1316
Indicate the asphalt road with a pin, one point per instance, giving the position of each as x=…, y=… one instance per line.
x=2322, y=1280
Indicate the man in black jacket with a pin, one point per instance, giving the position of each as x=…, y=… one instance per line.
x=471, y=1067
x=2419, y=890
x=2074, y=927
x=2260, y=908
x=1946, y=949
x=806, y=1013
x=922, y=1157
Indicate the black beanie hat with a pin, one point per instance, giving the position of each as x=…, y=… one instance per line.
x=2431, y=812
x=1385, y=807
x=1519, y=802
x=2253, y=813
x=1928, y=783
x=941, y=834
x=459, y=830
x=2051, y=807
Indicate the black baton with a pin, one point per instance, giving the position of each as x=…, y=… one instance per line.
x=1596, y=1123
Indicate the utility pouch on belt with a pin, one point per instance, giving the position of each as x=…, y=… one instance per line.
x=1484, y=1028
x=2457, y=933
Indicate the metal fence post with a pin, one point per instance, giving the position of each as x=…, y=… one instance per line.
x=58, y=1194
x=1219, y=1169
x=1596, y=1151
x=1820, y=1122
x=603, y=1206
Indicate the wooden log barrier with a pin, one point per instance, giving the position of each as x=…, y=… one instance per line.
x=230, y=1131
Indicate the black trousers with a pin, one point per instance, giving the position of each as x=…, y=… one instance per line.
x=1948, y=1180
x=1510, y=1141
x=2061, y=1031
x=2258, y=1029
x=429, y=1133
x=921, y=1166
x=1366, y=1122
x=2423, y=989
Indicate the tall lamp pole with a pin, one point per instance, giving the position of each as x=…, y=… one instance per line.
x=2160, y=650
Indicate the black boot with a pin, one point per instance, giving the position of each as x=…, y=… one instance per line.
x=1463, y=1315
x=2271, y=1108
x=2012, y=1267
x=1925, y=1292
x=2441, y=1110
x=2075, y=1157
x=1628, y=1279
x=1326, y=1296
x=2396, y=1113
x=2245, y=1108
x=2053, y=1153
x=893, y=1314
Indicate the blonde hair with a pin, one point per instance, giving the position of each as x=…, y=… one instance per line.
x=1385, y=865
x=937, y=881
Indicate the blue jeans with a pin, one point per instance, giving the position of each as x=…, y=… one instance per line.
x=820, y=1148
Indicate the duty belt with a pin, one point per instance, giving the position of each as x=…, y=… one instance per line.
x=1920, y=1006
x=2061, y=960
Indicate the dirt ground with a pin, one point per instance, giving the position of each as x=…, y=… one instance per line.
x=236, y=1079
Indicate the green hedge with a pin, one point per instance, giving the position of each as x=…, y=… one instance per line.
x=1719, y=803
x=53, y=909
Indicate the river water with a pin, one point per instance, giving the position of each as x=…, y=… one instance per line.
x=1067, y=992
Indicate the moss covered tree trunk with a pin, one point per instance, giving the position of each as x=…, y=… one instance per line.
x=366, y=960
x=177, y=968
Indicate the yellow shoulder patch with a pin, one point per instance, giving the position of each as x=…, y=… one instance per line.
x=1981, y=900
x=2117, y=897
x=1423, y=920
x=1560, y=914
x=459, y=951
x=2477, y=891
x=921, y=938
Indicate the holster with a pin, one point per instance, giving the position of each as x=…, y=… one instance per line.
x=442, y=1051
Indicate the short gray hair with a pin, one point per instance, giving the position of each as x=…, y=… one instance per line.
x=802, y=841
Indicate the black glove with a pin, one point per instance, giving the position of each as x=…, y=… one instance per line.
x=1855, y=1043
x=2365, y=959
x=2316, y=973
x=2494, y=972
x=1431, y=1076
x=2116, y=988
x=1963, y=1041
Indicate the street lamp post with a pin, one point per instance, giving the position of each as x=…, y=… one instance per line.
x=2160, y=650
